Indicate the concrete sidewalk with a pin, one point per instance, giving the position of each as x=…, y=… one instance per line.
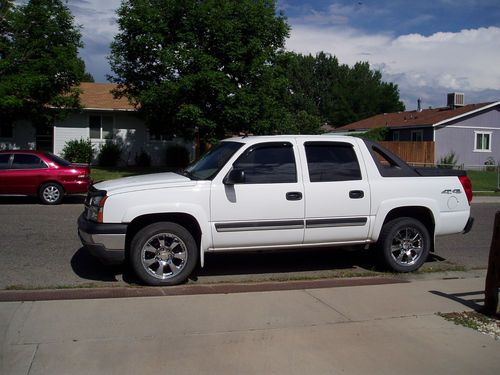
x=380, y=329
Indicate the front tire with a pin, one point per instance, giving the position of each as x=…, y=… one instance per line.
x=51, y=193
x=405, y=244
x=163, y=253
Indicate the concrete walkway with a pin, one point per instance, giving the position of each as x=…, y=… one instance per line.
x=378, y=329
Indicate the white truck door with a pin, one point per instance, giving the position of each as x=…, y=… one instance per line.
x=260, y=202
x=337, y=193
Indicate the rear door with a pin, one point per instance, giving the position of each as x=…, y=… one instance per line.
x=265, y=208
x=337, y=193
x=26, y=174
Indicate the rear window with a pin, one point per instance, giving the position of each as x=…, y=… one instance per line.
x=332, y=161
x=56, y=159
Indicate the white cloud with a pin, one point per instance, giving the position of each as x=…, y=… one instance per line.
x=426, y=66
x=98, y=21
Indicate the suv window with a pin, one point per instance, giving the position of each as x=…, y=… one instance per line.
x=26, y=161
x=332, y=161
x=268, y=163
x=4, y=161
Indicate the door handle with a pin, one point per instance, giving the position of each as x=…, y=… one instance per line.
x=294, y=196
x=356, y=194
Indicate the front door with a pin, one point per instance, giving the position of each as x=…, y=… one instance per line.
x=265, y=206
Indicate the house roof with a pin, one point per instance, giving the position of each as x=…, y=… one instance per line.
x=99, y=96
x=426, y=117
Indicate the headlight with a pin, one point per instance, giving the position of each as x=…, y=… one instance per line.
x=95, y=207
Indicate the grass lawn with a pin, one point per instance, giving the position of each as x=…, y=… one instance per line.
x=483, y=180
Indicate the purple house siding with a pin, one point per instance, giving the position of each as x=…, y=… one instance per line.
x=459, y=136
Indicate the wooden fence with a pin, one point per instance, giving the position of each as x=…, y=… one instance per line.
x=412, y=152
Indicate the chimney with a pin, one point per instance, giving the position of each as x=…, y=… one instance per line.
x=455, y=99
x=419, y=105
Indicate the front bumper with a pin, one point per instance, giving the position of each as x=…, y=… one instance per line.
x=104, y=241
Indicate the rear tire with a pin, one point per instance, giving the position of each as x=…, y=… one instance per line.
x=163, y=254
x=405, y=244
x=51, y=193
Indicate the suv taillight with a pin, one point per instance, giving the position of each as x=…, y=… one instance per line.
x=467, y=185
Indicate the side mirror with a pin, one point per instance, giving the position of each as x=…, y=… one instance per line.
x=235, y=176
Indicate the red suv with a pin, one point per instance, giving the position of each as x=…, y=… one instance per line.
x=42, y=174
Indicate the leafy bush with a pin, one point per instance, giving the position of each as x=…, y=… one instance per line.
x=78, y=151
x=376, y=135
x=109, y=154
x=142, y=159
x=448, y=161
x=177, y=156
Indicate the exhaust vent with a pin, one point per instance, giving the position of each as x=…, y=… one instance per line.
x=456, y=99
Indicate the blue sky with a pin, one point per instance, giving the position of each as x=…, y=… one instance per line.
x=428, y=48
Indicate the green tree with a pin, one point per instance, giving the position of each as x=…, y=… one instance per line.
x=40, y=66
x=336, y=93
x=202, y=64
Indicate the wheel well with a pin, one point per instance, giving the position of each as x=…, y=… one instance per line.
x=422, y=214
x=185, y=220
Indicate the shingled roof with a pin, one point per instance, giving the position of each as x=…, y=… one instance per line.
x=99, y=96
x=426, y=117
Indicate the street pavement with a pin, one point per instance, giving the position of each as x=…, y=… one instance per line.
x=375, y=329
x=39, y=247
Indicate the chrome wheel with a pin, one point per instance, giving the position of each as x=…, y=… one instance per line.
x=405, y=243
x=164, y=256
x=407, y=246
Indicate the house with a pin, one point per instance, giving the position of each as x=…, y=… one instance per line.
x=103, y=117
x=470, y=131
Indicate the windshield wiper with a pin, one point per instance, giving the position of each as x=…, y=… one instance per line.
x=188, y=174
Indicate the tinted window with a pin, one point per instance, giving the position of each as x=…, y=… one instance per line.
x=211, y=163
x=56, y=159
x=4, y=161
x=268, y=163
x=26, y=161
x=332, y=161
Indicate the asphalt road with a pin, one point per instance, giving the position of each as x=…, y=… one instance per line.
x=39, y=247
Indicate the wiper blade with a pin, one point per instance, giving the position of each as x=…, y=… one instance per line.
x=188, y=174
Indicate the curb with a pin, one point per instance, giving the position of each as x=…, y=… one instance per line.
x=99, y=293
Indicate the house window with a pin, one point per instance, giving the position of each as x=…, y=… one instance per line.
x=417, y=135
x=395, y=135
x=482, y=141
x=101, y=127
x=6, y=130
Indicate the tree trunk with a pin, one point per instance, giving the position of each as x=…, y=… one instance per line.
x=491, y=302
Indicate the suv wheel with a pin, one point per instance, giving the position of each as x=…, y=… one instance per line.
x=163, y=254
x=405, y=244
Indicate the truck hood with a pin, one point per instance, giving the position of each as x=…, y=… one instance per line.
x=149, y=181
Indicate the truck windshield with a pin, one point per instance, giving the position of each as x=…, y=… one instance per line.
x=212, y=162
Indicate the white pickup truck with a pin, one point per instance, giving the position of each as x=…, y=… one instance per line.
x=273, y=192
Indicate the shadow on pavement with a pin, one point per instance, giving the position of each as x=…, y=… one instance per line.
x=89, y=267
x=472, y=303
x=352, y=260
x=312, y=259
